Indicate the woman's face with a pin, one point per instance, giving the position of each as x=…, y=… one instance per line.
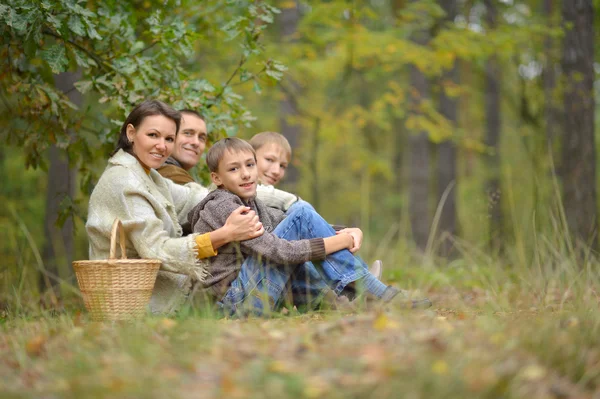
x=153, y=140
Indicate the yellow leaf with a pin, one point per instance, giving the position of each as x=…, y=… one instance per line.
x=316, y=387
x=277, y=334
x=166, y=324
x=533, y=372
x=440, y=367
x=280, y=367
x=382, y=322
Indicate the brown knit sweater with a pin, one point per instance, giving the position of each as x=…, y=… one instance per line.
x=211, y=214
x=174, y=171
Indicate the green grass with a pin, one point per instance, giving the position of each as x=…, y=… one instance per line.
x=524, y=323
x=496, y=330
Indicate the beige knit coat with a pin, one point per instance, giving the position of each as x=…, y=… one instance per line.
x=152, y=209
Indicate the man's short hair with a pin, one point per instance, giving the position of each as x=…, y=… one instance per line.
x=218, y=150
x=264, y=138
x=192, y=112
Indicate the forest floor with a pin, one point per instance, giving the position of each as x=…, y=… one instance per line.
x=475, y=342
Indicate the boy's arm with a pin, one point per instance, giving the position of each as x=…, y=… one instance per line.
x=275, y=198
x=282, y=252
x=242, y=224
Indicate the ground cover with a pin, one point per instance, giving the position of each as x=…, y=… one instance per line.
x=512, y=339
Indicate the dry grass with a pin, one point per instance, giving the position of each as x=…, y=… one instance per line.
x=493, y=332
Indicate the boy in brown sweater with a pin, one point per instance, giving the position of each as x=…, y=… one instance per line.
x=251, y=276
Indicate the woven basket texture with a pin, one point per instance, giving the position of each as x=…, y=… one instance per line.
x=116, y=289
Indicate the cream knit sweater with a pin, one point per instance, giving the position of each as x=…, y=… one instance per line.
x=152, y=209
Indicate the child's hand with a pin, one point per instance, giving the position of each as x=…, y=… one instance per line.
x=243, y=224
x=357, y=236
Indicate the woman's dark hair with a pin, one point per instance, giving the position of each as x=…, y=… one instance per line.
x=138, y=114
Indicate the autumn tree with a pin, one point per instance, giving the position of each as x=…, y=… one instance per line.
x=116, y=54
x=289, y=19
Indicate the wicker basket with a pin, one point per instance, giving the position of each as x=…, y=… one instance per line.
x=116, y=289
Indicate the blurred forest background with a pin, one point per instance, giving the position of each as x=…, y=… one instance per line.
x=441, y=128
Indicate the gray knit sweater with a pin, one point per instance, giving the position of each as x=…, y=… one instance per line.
x=211, y=214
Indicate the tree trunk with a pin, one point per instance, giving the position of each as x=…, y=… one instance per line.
x=492, y=139
x=290, y=16
x=58, y=248
x=552, y=112
x=399, y=142
x=419, y=174
x=579, y=155
x=446, y=165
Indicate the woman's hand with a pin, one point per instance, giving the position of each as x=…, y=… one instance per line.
x=356, y=234
x=243, y=224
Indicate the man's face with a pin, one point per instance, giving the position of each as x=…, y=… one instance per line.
x=190, y=142
x=272, y=161
x=237, y=173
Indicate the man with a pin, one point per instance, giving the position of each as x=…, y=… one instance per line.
x=189, y=146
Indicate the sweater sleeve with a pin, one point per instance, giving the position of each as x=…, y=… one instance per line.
x=275, y=198
x=120, y=195
x=185, y=198
x=283, y=252
x=205, y=247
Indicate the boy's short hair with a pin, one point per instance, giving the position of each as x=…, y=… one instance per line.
x=264, y=138
x=218, y=150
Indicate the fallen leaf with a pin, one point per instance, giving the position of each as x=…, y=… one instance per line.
x=316, y=387
x=166, y=324
x=382, y=323
x=277, y=334
x=373, y=355
x=440, y=367
x=35, y=345
x=533, y=372
x=280, y=367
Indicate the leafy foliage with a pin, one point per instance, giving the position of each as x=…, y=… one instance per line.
x=124, y=53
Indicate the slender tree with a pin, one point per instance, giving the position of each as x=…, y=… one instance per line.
x=290, y=16
x=418, y=143
x=58, y=246
x=552, y=111
x=493, y=127
x=579, y=148
x=446, y=150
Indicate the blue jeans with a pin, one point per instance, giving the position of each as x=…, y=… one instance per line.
x=260, y=286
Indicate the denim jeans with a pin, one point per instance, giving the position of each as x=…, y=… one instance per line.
x=260, y=286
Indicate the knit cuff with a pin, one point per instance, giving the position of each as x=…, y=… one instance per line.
x=204, y=246
x=289, y=201
x=317, y=249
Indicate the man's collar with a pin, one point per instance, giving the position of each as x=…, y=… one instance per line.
x=173, y=161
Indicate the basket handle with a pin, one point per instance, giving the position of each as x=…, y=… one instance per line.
x=117, y=225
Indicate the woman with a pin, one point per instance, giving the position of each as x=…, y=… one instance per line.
x=152, y=208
